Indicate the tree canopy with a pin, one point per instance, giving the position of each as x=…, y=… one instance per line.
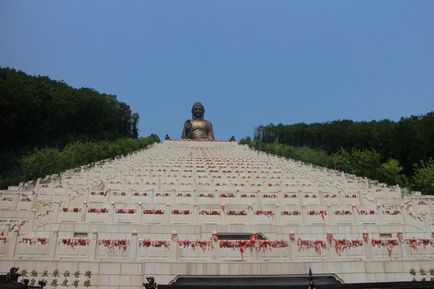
x=44, y=119
x=39, y=112
x=398, y=152
x=408, y=140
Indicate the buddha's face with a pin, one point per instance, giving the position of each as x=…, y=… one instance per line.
x=197, y=111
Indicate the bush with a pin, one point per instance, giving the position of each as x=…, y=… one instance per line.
x=48, y=161
x=360, y=162
x=423, y=178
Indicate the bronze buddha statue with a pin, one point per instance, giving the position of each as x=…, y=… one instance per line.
x=197, y=128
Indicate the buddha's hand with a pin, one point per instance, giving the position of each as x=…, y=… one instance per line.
x=187, y=124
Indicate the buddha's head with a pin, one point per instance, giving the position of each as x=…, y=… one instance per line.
x=197, y=111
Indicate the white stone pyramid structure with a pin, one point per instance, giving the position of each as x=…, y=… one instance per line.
x=206, y=208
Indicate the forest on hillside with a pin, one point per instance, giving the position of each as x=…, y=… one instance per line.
x=396, y=152
x=38, y=113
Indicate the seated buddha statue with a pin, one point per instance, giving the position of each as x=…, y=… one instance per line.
x=197, y=128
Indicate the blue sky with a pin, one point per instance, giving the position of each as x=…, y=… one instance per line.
x=249, y=62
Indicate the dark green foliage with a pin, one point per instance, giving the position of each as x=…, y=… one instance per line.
x=408, y=140
x=48, y=160
x=364, y=163
x=424, y=177
x=37, y=112
x=40, y=112
x=385, y=150
x=391, y=172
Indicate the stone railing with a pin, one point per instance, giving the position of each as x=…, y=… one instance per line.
x=294, y=248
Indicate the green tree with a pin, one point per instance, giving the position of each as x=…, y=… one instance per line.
x=391, y=172
x=341, y=160
x=424, y=178
x=48, y=161
x=365, y=162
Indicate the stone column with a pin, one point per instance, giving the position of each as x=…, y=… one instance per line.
x=52, y=245
x=331, y=249
x=93, y=245
x=379, y=213
x=331, y=215
x=368, y=248
x=276, y=218
x=167, y=215
x=173, y=247
x=13, y=243
x=293, y=248
x=403, y=249
x=303, y=215
x=133, y=245
x=427, y=220
x=195, y=214
x=254, y=251
x=215, y=248
x=56, y=209
x=111, y=213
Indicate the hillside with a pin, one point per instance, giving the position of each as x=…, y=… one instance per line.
x=396, y=152
x=41, y=116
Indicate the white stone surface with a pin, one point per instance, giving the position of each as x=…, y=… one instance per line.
x=103, y=206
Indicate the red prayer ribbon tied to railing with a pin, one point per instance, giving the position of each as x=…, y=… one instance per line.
x=153, y=212
x=248, y=196
x=414, y=243
x=265, y=244
x=389, y=243
x=391, y=212
x=101, y=193
x=138, y=194
x=329, y=238
x=42, y=241
x=180, y=212
x=210, y=195
x=364, y=212
x=162, y=195
x=241, y=244
x=31, y=241
x=269, y=196
x=203, y=244
x=317, y=212
x=236, y=213
x=365, y=236
x=183, y=195
x=74, y=242
x=318, y=245
x=73, y=210
x=343, y=212
x=265, y=213
x=154, y=243
x=343, y=244
x=210, y=212
x=290, y=195
x=113, y=243
x=97, y=210
x=122, y=194
x=290, y=213
x=125, y=211
x=378, y=242
x=227, y=195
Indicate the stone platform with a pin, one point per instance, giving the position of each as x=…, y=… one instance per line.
x=196, y=208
